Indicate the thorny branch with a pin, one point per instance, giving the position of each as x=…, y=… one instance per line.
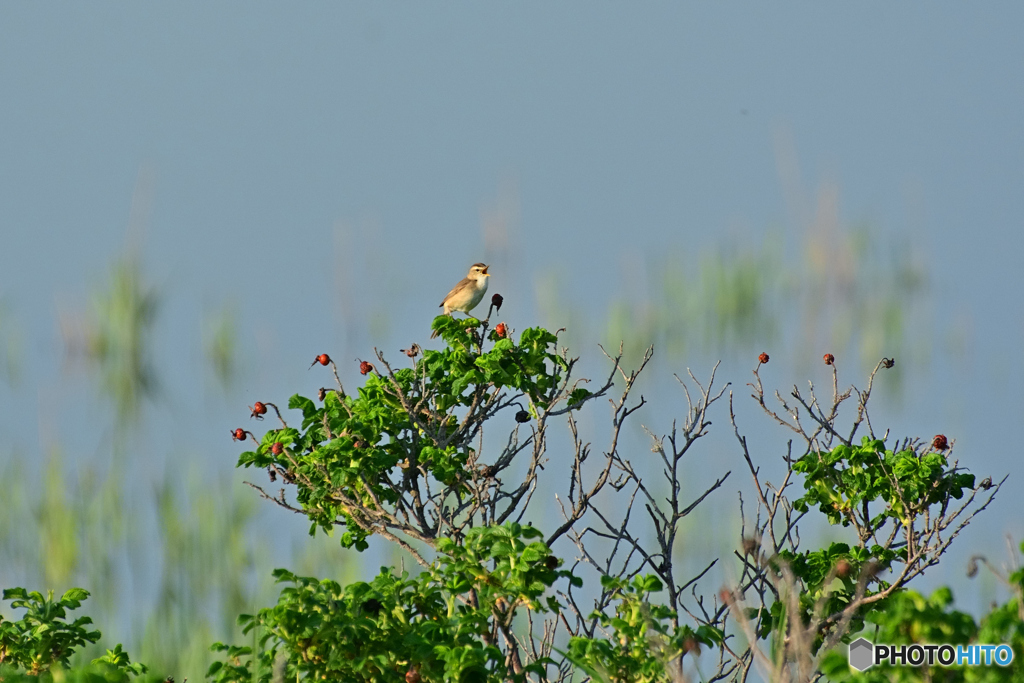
x=916, y=540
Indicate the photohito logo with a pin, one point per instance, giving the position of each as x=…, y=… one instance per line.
x=864, y=654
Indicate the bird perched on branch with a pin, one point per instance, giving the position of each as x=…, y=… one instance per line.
x=468, y=293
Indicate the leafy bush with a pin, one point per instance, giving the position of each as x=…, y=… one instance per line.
x=442, y=624
x=495, y=599
x=403, y=458
x=42, y=642
x=910, y=618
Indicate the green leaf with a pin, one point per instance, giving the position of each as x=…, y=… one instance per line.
x=73, y=594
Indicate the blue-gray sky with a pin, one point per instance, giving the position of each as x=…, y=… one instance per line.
x=266, y=131
x=650, y=122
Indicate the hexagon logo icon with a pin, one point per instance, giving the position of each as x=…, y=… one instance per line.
x=862, y=654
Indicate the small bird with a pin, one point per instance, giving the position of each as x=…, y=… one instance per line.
x=468, y=293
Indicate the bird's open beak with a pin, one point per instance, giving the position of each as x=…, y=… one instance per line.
x=485, y=270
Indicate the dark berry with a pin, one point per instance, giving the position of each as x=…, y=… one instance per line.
x=496, y=301
x=940, y=443
x=763, y=358
x=238, y=434
x=829, y=359
x=364, y=367
x=258, y=410
x=888, y=363
x=522, y=416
